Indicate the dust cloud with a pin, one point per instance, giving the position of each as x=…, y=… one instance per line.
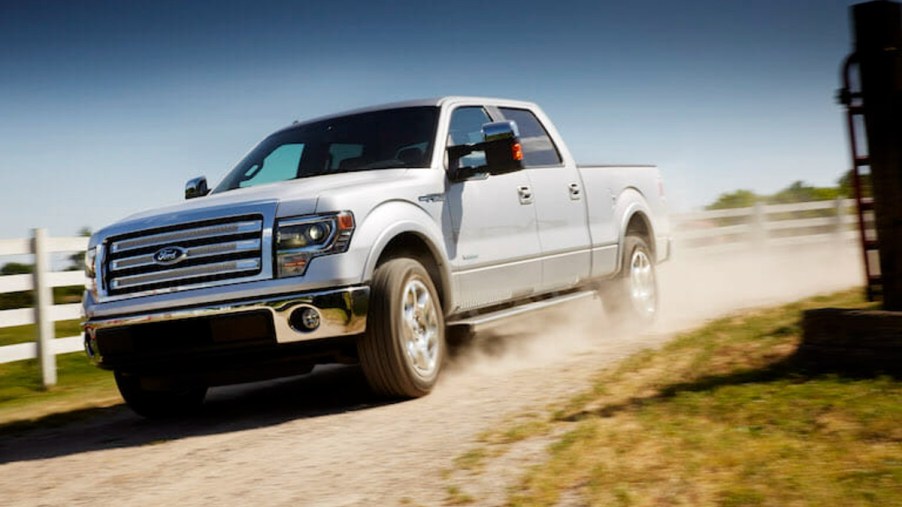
x=694, y=287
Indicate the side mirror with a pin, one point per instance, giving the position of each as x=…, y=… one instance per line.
x=501, y=145
x=196, y=187
x=503, y=151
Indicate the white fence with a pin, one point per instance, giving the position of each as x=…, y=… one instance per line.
x=44, y=313
x=769, y=225
x=727, y=229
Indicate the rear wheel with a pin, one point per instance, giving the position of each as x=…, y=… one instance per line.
x=160, y=397
x=403, y=349
x=632, y=297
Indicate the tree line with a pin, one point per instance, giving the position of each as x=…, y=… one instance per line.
x=61, y=295
x=797, y=191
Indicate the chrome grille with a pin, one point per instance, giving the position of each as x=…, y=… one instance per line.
x=210, y=251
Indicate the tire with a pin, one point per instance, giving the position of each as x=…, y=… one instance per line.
x=632, y=297
x=162, y=398
x=403, y=348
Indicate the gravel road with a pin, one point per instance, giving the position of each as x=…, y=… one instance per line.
x=322, y=439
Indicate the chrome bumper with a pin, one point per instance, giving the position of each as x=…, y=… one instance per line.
x=342, y=312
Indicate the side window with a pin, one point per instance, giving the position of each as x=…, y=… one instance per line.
x=281, y=164
x=466, y=128
x=538, y=149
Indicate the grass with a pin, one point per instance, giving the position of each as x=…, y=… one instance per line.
x=80, y=385
x=723, y=415
x=29, y=333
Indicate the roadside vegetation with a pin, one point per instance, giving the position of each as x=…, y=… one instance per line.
x=723, y=415
x=80, y=385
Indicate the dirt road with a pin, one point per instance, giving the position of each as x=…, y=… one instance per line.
x=322, y=440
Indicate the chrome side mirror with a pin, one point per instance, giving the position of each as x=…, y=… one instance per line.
x=500, y=130
x=501, y=143
x=196, y=187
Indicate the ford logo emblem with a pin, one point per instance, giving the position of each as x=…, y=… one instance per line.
x=169, y=255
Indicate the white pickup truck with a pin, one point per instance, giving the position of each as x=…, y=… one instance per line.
x=365, y=237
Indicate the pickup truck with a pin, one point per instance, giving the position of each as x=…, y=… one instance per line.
x=366, y=237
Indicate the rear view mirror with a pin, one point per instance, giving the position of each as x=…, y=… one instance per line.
x=196, y=187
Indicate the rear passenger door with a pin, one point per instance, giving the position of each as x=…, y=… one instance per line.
x=559, y=201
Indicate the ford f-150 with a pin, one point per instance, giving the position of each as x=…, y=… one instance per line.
x=365, y=237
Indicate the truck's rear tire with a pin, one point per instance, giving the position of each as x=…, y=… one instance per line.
x=159, y=398
x=403, y=348
x=631, y=298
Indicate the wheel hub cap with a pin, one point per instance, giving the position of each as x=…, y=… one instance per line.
x=642, y=283
x=420, y=328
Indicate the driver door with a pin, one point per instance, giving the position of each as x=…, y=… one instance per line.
x=494, y=246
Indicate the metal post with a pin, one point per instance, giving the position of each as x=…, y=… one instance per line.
x=878, y=48
x=43, y=301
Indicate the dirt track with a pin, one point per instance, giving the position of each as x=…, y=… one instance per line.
x=322, y=440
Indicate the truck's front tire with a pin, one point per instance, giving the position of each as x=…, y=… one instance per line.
x=403, y=348
x=160, y=398
x=632, y=298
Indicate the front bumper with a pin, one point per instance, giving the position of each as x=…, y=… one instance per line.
x=233, y=325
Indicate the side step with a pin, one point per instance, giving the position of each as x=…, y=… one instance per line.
x=485, y=319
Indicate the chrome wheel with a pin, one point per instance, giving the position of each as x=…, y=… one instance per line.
x=403, y=348
x=420, y=328
x=643, y=287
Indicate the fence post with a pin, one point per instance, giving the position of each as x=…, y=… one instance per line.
x=840, y=215
x=759, y=225
x=43, y=300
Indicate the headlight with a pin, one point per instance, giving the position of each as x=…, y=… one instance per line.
x=90, y=269
x=298, y=240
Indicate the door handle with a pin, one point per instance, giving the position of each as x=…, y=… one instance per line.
x=525, y=194
x=575, y=192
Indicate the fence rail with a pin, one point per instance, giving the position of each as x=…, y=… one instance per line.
x=44, y=313
x=728, y=229
x=764, y=225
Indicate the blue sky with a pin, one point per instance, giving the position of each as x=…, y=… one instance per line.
x=106, y=108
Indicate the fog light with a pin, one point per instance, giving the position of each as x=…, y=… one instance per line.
x=305, y=319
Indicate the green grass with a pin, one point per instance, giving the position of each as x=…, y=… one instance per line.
x=723, y=415
x=80, y=385
x=23, y=398
x=29, y=333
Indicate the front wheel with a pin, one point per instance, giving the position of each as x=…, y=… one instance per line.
x=403, y=348
x=160, y=397
x=632, y=297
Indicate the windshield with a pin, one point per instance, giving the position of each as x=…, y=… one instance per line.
x=379, y=140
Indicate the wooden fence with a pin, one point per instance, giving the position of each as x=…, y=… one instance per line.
x=769, y=225
x=705, y=231
x=44, y=313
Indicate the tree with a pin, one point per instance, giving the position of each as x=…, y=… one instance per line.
x=736, y=199
x=78, y=259
x=798, y=191
x=16, y=268
x=847, y=185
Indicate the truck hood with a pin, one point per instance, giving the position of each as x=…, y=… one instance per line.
x=287, y=198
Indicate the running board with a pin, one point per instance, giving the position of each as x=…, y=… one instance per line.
x=487, y=318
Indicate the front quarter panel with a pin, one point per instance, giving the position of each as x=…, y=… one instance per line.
x=391, y=219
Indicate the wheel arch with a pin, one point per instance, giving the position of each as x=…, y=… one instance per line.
x=410, y=244
x=415, y=236
x=636, y=220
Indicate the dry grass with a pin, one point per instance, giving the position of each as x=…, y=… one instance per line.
x=721, y=416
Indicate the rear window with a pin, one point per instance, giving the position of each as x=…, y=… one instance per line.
x=538, y=149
